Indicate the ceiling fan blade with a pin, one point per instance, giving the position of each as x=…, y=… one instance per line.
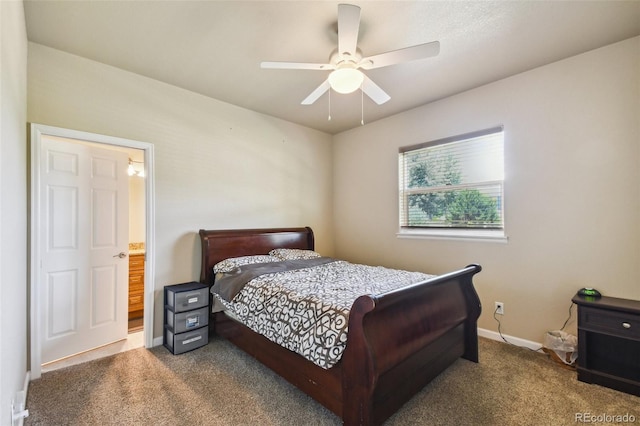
x=407, y=54
x=348, y=27
x=374, y=91
x=296, y=66
x=316, y=93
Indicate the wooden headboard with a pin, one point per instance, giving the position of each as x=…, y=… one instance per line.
x=218, y=245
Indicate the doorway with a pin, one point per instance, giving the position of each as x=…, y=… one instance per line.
x=137, y=153
x=137, y=244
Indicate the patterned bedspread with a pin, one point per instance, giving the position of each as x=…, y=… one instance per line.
x=307, y=310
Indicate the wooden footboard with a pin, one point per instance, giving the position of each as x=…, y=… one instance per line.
x=397, y=341
x=401, y=340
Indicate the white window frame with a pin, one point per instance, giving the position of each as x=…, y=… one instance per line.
x=466, y=234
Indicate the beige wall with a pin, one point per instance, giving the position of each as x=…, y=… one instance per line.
x=572, y=191
x=572, y=188
x=13, y=204
x=216, y=165
x=137, y=223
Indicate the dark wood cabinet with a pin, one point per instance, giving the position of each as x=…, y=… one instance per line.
x=609, y=342
x=136, y=285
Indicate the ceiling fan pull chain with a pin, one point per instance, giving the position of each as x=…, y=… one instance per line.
x=361, y=106
x=329, y=119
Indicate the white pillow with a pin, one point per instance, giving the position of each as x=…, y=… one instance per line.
x=232, y=263
x=294, y=254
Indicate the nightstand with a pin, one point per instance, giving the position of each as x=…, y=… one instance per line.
x=609, y=342
x=186, y=317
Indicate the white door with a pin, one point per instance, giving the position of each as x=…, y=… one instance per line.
x=84, y=232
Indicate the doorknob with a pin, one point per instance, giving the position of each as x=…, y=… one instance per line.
x=121, y=255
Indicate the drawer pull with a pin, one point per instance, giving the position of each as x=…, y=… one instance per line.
x=626, y=325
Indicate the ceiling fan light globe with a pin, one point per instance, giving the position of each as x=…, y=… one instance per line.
x=346, y=80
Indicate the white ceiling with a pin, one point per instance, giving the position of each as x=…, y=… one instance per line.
x=215, y=47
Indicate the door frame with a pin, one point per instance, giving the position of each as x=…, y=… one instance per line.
x=35, y=209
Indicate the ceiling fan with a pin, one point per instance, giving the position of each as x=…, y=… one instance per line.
x=346, y=62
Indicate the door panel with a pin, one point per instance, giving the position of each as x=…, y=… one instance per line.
x=105, y=219
x=104, y=296
x=62, y=307
x=85, y=224
x=63, y=220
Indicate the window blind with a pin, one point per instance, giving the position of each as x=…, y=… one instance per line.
x=456, y=182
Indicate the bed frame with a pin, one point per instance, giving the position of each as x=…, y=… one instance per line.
x=397, y=341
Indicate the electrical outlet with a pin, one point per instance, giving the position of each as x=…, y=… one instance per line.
x=499, y=308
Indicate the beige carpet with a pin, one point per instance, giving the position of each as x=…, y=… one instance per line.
x=220, y=385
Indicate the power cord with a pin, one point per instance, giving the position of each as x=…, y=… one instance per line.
x=533, y=350
x=506, y=341
x=567, y=321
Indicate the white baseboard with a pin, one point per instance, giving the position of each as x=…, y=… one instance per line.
x=493, y=335
x=157, y=341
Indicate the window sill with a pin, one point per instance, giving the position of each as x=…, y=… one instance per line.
x=493, y=236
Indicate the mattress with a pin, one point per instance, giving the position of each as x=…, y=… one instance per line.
x=306, y=310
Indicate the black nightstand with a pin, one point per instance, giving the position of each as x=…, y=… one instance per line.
x=609, y=342
x=186, y=317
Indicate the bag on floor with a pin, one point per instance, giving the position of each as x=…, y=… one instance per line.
x=561, y=347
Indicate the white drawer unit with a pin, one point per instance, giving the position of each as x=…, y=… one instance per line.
x=186, y=317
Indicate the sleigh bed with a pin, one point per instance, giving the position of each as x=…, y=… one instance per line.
x=397, y=342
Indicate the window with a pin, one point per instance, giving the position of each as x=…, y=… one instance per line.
x=454, y=183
